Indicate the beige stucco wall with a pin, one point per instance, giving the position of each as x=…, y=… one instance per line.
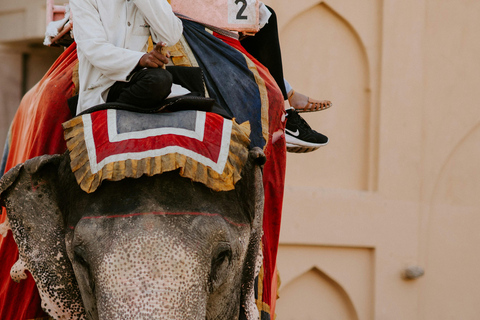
x=21, y=66
x=399, y=183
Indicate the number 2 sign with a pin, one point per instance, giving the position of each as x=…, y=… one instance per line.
x=241, y=11
x=235, y=15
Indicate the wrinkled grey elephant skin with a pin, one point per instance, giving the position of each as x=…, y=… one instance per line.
x=159, y=247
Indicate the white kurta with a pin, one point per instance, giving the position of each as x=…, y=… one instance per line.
x=112, y=36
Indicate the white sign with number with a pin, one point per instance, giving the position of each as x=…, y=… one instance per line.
x=236, y=15
x=242, y=11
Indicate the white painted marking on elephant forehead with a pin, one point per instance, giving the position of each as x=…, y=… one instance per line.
x=114, y=136
x=4, y=227
x=17, y=273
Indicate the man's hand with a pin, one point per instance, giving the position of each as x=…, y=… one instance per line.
x=155, y=58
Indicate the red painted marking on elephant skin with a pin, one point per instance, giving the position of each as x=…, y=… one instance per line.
x=165, y=213
x=36, y=186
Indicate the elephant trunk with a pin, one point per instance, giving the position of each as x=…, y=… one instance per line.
x=151, y=278
x=160, y=265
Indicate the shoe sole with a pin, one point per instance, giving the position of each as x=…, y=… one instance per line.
x=309, y=110
x=300, y=143
x=299, y=149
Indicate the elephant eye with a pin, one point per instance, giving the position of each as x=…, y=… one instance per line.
x=223, y=256
x=223, y=253
x=79, y=255
x=220, y=262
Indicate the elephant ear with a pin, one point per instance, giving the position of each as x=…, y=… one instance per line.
x=29, y=193
x=252, y=188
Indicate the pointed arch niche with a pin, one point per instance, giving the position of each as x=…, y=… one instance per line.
x=322, y=282
x=321, y=298
x=452, y=235
x=325, y=58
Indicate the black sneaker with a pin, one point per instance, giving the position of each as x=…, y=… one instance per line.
x=300, y=136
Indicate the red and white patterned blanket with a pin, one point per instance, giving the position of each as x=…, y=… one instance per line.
x=115, y=144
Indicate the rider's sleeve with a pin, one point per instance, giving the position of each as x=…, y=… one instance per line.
x=164, y=25
x=113, y=62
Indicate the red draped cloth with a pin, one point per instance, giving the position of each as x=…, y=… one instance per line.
x=273, y=181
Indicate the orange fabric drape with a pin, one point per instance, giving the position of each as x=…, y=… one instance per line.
x=36, y=130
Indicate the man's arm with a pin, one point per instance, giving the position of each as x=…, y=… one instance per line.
x=114, y=62
x=164, y=25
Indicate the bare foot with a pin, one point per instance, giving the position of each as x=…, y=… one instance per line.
x=302, y=103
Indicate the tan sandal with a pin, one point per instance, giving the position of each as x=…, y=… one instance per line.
x=311, y=106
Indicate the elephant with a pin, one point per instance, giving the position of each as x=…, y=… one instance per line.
x=153, y=247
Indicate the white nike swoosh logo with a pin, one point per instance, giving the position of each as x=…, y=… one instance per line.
x=295, y=134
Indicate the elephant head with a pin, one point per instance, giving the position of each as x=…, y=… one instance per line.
x=160, y=247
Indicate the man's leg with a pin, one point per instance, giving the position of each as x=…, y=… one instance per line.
x=146, y=89
x=265, y=47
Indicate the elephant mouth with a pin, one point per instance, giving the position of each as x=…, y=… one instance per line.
x=157, y=213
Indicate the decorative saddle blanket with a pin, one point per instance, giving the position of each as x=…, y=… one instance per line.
x=116, y=144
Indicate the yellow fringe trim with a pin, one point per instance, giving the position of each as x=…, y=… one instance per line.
x=189, y=168
x=264, y=98
x=261, y=306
